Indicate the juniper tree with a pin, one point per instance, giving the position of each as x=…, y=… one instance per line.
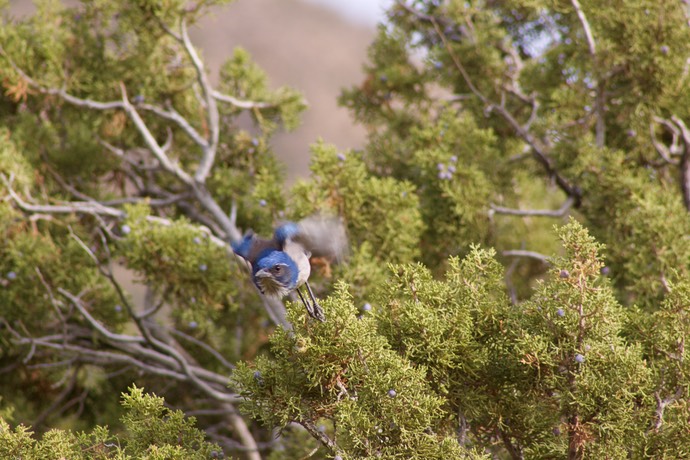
x=517, y=284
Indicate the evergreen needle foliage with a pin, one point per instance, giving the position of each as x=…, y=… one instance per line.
x=518, y=279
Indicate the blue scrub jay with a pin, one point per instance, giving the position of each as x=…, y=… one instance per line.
x=281, y=265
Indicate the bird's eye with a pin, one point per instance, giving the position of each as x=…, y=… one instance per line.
x=277, y=269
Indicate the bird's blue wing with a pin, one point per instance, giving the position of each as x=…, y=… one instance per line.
x=285, y=232
x=243, y=246
x=250, y=247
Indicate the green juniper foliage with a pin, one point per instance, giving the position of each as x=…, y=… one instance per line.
x=151, y=431
x=517, y=278
x=375, y=402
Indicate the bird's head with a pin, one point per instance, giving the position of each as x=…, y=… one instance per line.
x=275, y=273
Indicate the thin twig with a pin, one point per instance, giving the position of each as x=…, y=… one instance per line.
x=74, y=207
x=53, y=300
x=123, y=155
x=242, y=431
x=155, y=308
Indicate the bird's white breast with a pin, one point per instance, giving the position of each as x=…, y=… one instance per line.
x=301, y=257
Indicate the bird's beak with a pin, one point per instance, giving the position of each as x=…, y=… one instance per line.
x=263, y=273
x=268, y=285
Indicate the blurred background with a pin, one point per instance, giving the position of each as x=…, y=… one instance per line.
x=315, y=46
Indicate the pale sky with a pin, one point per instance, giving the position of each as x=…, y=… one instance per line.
x=366, y=12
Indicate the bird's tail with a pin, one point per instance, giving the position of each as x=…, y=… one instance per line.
x=323, y=237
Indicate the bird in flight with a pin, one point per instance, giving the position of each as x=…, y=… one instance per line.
x=280, y=265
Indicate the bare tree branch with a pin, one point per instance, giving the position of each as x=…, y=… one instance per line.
x=172, y=115
x=538, y=149
x=600, y=96
x=93, y=207
x=242, y=431
x=133, y=346
x=108, y=358
x=560, y=212
x=585, y=27
x=229, y=444
x=661, y=406
x=231, y=232
x=659, y=146
x=95, y=324
x=241, y=104
x=74, y=207
x=515, y=451
x=124, y=155
x=197, y=183
x=684, y=161
x=209, y=155
x=53, y=300
x=318, y=434
x=213, y=352
x=150, y=140
x=52, y=408
x=151, y=310
x=528, y=254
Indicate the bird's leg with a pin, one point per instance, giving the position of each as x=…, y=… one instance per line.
x=307, y=305
x=316, y=308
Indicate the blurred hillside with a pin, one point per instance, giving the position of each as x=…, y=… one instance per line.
x=299, y=44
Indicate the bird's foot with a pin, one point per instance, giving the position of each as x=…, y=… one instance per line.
x=316, y=312
x=310, y=308
x=313, y=308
